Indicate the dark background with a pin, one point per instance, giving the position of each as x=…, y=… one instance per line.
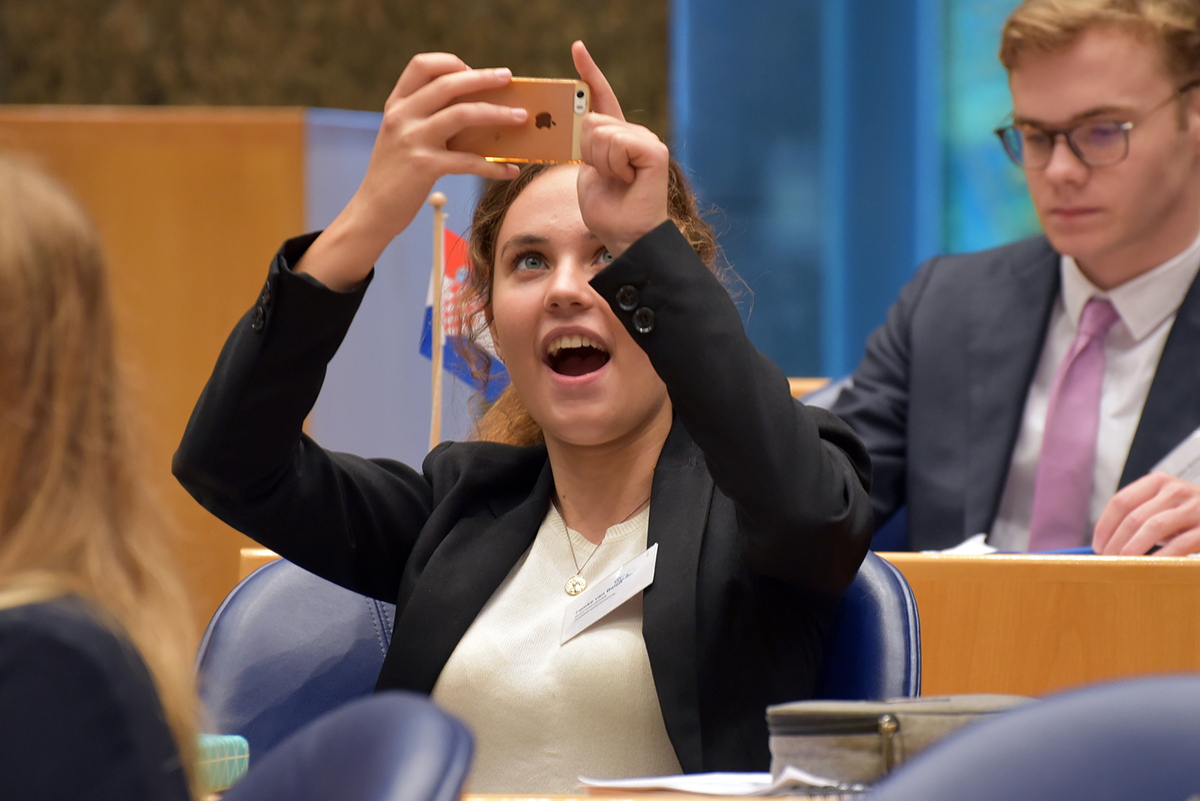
x=325, y=53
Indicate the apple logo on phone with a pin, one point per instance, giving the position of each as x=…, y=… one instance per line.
x=544, y=120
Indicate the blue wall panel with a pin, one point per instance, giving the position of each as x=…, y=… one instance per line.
x=987, y=203
x=890, y=75
x=746, y=123
x=814, y=127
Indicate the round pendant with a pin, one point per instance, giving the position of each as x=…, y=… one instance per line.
x=576, y=584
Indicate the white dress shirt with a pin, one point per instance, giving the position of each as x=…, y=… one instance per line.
x=1147, y=306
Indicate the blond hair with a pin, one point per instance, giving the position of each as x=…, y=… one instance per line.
x=1048, y=25
x=507, y=420
x=76, y=516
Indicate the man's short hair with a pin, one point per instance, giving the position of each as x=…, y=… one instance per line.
x=1048, y=25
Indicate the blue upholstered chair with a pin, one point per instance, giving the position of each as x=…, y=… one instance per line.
x=875, y=652
x=286, y=646
x=392, y=746
x=1122, y=740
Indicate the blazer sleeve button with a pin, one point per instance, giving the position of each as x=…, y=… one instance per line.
x=627, y=297
x=258, y=319
x=643, y=320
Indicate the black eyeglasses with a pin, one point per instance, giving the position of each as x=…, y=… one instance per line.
x=1098, y=143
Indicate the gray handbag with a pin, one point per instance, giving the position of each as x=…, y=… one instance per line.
x=859, y=742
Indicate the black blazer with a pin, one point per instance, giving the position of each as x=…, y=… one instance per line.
x=939, y=396
x=758, y=504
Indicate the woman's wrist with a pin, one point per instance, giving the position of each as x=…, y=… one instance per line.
x=343, y=255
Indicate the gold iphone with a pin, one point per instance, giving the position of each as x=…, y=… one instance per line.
x=550, y=134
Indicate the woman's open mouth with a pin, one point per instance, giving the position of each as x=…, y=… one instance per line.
x=575, y=354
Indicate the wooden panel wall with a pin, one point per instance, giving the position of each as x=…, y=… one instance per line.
x=191, y=204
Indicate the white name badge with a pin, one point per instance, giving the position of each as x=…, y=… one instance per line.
x=610, y=592
x=1184, y=460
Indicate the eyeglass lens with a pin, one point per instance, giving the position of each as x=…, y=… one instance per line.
x=1096, y=143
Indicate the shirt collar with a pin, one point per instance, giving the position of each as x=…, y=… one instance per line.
x=1143, y=302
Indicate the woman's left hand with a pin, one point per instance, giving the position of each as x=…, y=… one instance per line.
x=623, y=179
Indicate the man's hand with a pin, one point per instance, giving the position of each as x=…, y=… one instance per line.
x=1157, y=509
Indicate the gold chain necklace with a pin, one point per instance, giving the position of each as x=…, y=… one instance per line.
x=577, y=583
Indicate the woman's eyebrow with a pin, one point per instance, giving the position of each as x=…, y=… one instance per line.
x=522, y=240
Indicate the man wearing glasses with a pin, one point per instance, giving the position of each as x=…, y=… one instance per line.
x=1028, y=392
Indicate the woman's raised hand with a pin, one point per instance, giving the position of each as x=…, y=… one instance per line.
x=408, y=157
x=623, y=179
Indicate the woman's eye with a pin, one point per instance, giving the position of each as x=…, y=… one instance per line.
x=530, y=261
x=606, y=257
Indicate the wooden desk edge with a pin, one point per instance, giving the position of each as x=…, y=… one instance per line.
x=1065, y=568
x=252, y=559
x=802, y=386
x=898, y=558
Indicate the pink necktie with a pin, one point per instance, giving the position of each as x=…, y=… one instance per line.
x=1064, y=476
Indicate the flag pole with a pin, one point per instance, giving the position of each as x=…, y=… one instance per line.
x=438, y=201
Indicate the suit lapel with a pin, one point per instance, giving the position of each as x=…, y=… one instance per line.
x=681, y=495
x=1010, y=308
x=1172, y=409
x=464, y=571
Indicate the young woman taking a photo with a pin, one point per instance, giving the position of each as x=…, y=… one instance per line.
x=639, y=421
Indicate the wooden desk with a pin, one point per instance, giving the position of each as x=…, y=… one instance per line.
x=802, y=386
x=252, y=559
x=1035, y=624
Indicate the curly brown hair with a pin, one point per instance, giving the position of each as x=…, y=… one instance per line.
x=507, y=420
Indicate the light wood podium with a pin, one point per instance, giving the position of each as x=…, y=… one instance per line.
x=1030, y=625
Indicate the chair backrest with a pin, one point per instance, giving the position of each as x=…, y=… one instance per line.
x=875, y=650
x=284, y=647
x=1128, y=739
x=393, y=746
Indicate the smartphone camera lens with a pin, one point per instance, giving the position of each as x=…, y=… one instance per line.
x=579, y=94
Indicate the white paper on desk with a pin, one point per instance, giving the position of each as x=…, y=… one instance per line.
x=1184, y=459
x=735, y=784
x=969, y=547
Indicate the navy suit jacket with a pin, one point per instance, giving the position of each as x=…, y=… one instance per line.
x=939, y=396
x=81, y=717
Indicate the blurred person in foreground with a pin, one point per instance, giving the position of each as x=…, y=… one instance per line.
x=96, y=697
